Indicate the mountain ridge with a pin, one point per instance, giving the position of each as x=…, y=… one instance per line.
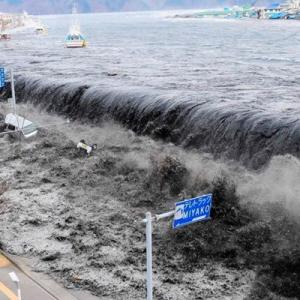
x=86, y=6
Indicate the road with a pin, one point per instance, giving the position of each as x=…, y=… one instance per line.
x=30, y=288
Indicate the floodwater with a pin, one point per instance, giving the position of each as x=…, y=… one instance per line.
x=227, y=87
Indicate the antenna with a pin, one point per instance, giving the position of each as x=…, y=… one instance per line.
x=75, y=22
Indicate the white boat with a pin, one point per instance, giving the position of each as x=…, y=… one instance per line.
x=19, y=123
x=13, y=121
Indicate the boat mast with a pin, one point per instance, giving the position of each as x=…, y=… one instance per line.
x=75, y=21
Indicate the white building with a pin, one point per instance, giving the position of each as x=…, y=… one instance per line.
x=291, y=5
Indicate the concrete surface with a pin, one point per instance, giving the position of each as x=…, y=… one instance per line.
x=34, y=286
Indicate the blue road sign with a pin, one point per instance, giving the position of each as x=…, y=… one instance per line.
x=192, y=210
x=2, y=77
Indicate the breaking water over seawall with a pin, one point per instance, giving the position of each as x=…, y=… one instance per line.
x=227, y=87
x=246, y=134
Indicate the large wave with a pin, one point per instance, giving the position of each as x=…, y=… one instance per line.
x=251, y=136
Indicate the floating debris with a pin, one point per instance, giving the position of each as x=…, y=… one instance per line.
x=89, y=148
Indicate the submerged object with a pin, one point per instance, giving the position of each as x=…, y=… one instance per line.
x=41, y=30
x=5, y=37
x=88, y=148
x=19, y=123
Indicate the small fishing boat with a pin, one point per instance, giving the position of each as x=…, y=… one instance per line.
x=75, y=39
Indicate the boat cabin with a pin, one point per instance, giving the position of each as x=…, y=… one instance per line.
x=75, y=37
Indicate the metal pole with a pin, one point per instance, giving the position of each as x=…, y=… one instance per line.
x=165, y=215
x=149, y=256
x=13, y=91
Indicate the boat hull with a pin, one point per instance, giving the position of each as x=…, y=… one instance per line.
x=77, y=44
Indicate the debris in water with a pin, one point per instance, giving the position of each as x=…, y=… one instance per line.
x=88, y=148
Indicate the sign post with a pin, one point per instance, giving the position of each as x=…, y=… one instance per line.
x=12, y=101
x=149, y=256
x=186, y=212
x=2, y=77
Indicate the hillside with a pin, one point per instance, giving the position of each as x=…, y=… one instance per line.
x=57, y=6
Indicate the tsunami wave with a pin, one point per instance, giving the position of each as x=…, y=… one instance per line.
x=248, y=135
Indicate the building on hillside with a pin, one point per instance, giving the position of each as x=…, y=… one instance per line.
x=11, y=21
x=290, y=5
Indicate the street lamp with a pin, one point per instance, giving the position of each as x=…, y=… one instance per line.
x=13, y=276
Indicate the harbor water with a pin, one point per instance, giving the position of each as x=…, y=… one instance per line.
x=228, y=87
